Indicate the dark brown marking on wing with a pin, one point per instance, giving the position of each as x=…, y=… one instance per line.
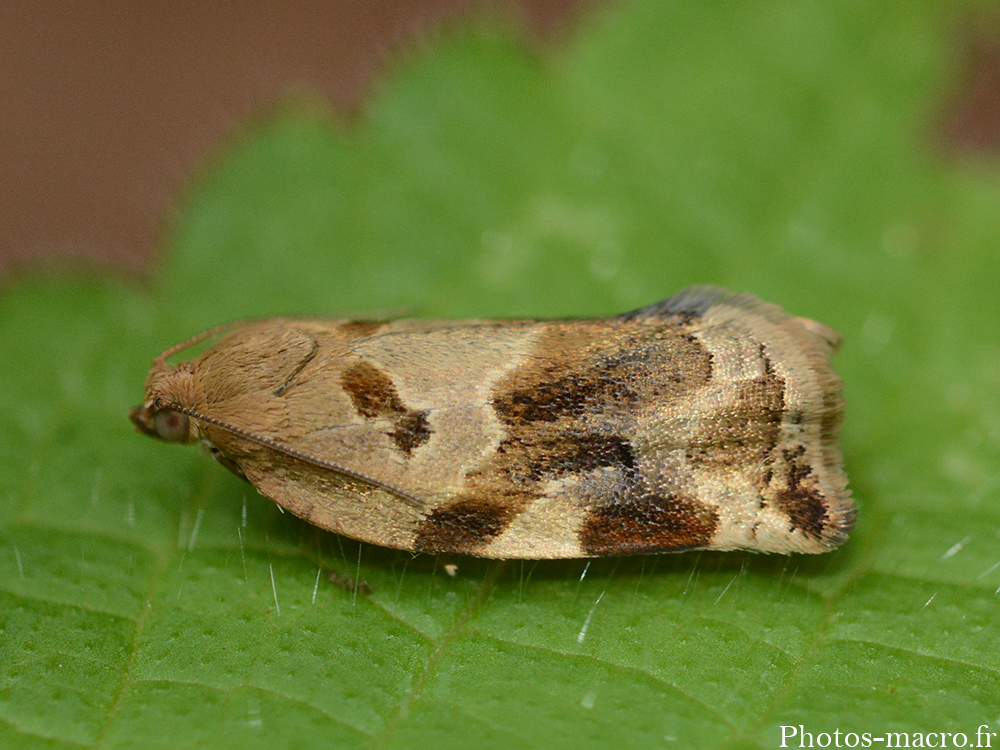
x=584, y=373
x=554, y=396
x=412, y=431
x=282, y=389
x=800, y=498
x=570, y=410
x=359, y=329
x=586, y=452
x=463, y=528
x=647, y=525
x=371, y=391
x=375, y=397
x=550, y=455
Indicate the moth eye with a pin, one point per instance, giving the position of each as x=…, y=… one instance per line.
x=171, y=426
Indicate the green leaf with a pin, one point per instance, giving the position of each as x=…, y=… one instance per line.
x=148, y=599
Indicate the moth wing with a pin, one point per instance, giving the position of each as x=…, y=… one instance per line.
x=448, y=437
x=362, y=435
x=351, y=483
x=691, y=301
x=695, y=301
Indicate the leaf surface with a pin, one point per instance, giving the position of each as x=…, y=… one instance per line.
x=149, y=599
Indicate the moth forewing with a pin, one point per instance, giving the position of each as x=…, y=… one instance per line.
x=706, y=421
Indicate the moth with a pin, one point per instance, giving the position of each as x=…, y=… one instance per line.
x=709, y=420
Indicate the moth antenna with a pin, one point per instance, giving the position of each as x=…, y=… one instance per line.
x=204, y=335
x=376, y=317
x=293, y=453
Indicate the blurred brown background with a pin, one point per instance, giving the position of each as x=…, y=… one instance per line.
x=107, y=108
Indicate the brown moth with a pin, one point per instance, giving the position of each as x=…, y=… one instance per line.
x=706, y=421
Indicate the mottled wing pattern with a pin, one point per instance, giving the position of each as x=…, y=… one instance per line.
x=708, y=420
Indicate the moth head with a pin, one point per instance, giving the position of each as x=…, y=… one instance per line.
x=170, y=392
x=162, y=423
